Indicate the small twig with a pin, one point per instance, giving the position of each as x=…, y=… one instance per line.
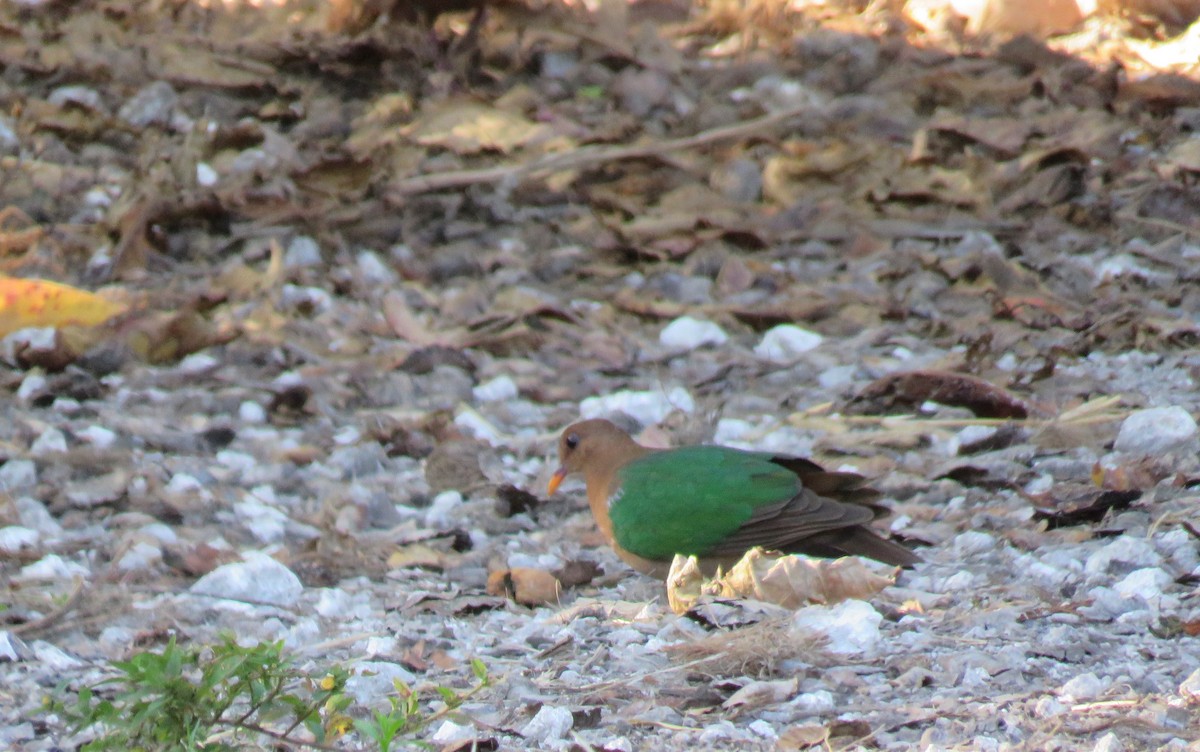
x=588, y=156
x=56, y=614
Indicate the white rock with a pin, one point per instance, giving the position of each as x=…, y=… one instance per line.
x=647, y=407
x=499, y=389
x=311, y=298
x=17, y=474
x=477, y=426
x=1147, y=583
x=373, y=680
x=9, y=647
x=302, y=251
x=1126, y=548
x=374, y=270
x=140, y=557
x=55, y=657
x=1155, y=430
x=252, y=412
x=1109, y=743
x=50, y=568
x=1048, y=707
x=813, y=703
x=763, y=729
x=851, y=627
x=450, y=732
x=206, y=176
x=687, y=333
x=973, y=542
x=837, y=376
x=33, y=513
x=265, y=522
x=1190, y=688
x=258, y=579
x=182, y=483
x=441, y=512
x=97, y=436
x=786, y=343
x=332, y=602
x=730, y=430
x=197, y=363
x=549, y=725
x=15, y=540
x=34, y=382
x=51, y=441
x=1083, y=687
x=160, y=532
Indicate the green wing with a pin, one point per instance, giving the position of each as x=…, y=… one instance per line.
x=687, y=500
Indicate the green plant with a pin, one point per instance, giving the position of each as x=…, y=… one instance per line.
x=223, y=696
x=406, y=717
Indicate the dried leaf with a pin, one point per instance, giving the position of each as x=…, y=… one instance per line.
x=795, y=738
x=912, y=388
x=469, y=127
x=759, y=693
x=35, y=302
x=525, y=585
x=417, y=555
x=1091, y=511
x=790, y=581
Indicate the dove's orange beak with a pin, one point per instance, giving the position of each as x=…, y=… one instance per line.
x=556, y=480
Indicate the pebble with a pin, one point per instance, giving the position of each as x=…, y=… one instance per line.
x=499, y=389
x=1190, y=688
x=16, y=540
x=549, y=725
x=302, y=251
x=150, y=105
x=374, y=270
x=17, y=474
x=1125, y=549
x=1155, y=430
x=687, y=333
x=375, y=680
x=1147, y=584
x=250, y=411
x=649, y=407
x=206, y=176
x=52, y=568
x=257, y=579
x=443, y=510
x=140, y=557
x=786, y=343
x=1085, y=686
x=1110, y=742
x=97, y=436
x=850, y=627
x=51, y=441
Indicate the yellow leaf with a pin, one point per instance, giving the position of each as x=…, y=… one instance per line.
x=37, y=302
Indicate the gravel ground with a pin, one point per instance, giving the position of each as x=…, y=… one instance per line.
x=335, y=456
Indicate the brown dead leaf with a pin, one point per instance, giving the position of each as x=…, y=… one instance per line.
x=758, y=694
x=525, y=585
x=1088, y=510
x=790, y=581
x=908, y=390
x=468, y=127
x=417, y=555
x=804, y=736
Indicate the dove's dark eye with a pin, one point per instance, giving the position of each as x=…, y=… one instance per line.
x=572, y=440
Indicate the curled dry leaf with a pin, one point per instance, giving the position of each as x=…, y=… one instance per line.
x=912, y=388
x=756, y=694
x=791, y=581
x=37, y=302
x=795, y=738
x=525, y=585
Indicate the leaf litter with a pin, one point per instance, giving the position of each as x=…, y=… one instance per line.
x=360, y=243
